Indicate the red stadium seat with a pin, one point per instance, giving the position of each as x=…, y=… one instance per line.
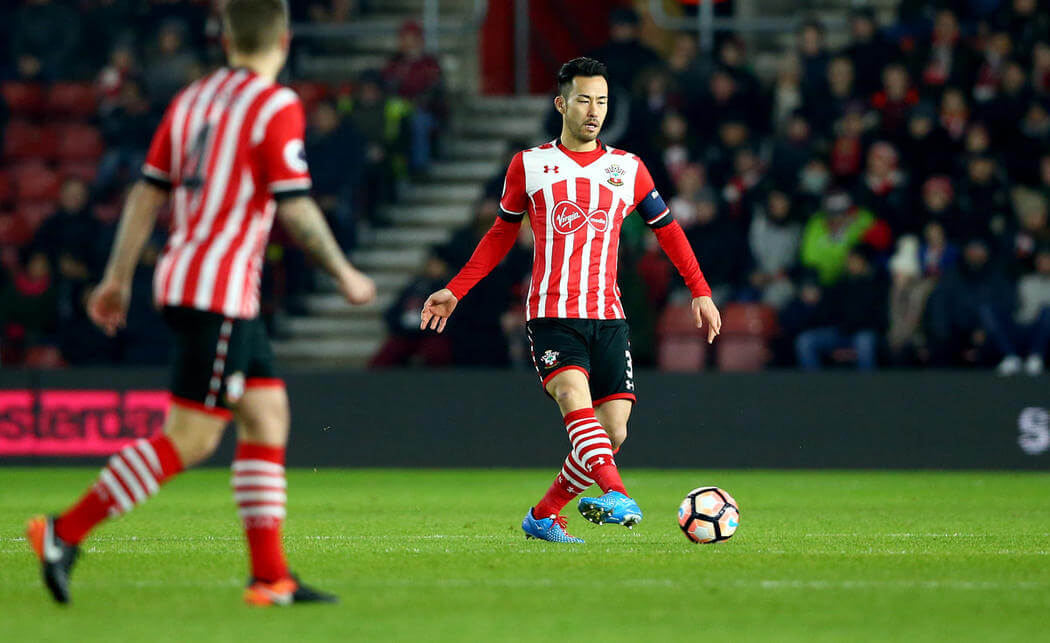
x=738, y=353
x=682, y=347
x=33, y=213
x=6, y=189
x=751, y=320
x=24, y=99
x=34, y=182
x=44, y=357
x=79, y=143
x=83, y=170
x=24, y=140
x=13, y=231
x=78, y=100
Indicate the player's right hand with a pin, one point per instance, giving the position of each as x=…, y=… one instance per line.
x=437, y=309
x=357, y=287
x=107, y=306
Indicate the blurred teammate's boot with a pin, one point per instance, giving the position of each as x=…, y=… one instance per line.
x=56, y=556
x=284, y=592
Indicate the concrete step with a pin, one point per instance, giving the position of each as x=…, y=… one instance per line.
x=351, y=352
x=335, y=327
x=460, y=149
x=535, y=106
x=333, y=305
x=390, y=259
x=344, y=66
x=462, y=170
x=430, y=215
x=418, y=194
x=411, y=237
x=504, y=127
x=387, y=281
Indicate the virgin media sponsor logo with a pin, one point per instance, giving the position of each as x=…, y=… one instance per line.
x=77, y=423
x=569, y=217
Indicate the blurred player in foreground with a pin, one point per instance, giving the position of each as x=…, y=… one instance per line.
x=229, y=154
x=576, y=192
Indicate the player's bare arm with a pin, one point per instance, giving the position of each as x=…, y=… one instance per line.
x=305, y=222
x=108, y=304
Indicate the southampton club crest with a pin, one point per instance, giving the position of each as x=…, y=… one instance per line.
x=615, y=173
x=550, y=359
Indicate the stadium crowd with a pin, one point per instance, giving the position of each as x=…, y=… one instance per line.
x=884, y=204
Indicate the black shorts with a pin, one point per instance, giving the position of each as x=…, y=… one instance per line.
x=217, y=358
x=601, y=348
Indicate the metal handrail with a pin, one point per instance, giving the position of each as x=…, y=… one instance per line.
x=432, y=26
x=706, y=23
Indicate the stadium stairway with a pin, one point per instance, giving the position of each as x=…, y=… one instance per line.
x=430, y=207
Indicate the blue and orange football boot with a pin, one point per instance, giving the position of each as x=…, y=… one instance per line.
x=613, y=508
x=551, y=529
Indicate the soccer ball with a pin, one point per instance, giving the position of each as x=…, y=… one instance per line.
x=708, y=515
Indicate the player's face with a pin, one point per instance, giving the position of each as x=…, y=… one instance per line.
x=585, y=107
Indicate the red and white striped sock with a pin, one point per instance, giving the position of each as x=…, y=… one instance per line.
x=592, y=447
x=259, y=488
x=571, y=482
x=131, y=477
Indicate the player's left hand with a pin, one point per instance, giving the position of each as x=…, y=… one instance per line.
x=107, y=305
x=704, y=310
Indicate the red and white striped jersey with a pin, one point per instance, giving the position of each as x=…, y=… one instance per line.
x=229, y=145
x=576, y=203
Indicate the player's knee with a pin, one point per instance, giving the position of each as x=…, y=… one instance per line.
x=569, y=395
x=617, y=434
x=265, y=426
x=196, y=446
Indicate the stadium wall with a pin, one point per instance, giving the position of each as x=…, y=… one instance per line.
x=502, y=419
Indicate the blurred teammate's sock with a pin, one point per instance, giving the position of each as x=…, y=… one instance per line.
x=571, y=482
x=132, y=475
x=259, y=489
x=592, y=447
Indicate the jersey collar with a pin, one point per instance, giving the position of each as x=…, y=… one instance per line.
x=583, y=159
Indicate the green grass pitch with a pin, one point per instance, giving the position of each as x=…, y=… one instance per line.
x=439, y=556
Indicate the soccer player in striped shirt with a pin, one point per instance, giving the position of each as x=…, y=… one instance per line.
x=229, y=156
x=576, y=192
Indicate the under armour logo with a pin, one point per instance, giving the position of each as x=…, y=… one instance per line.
x=548, y=168
x=600, y=461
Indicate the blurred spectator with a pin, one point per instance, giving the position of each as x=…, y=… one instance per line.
x=967, y=311
x=71, y=237
x=937, y=255
x=787, y=91
x=690, y=189
x=687, y=69
x=121, y=68
x=416, y=76
x=1033, y=314
x=938, y=204
x=851, y=140
x=741, y=189
x=127, y=125
x=381, y=121
x=732, y=57
x=722, y=248
x=814, y=57
x=674, y=143
x=830, y=103
x=831, y=233
x=720, y=156
x=774, y=242
x=1030, y=143
x=1026, y=25
x=791, y=150
x=857, y=306
x=895, y=100
x=997, y=49
x=650, y=103
x=170, y=63
x=335, y=150
x=1007, y=108
x=28, y=304
x=909, y=290
x=945, y=60
x=1029, y=232
x=45, y=37
x=624, y=54
x=1039, y=77
x=984, y=201
x=477, y=335
x=954, y=114
x=883, y=189
x=868, y=50
x=926, y=147
x=405, y=343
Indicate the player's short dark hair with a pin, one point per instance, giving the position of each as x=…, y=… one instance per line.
x=254, y=25
x=581, y=66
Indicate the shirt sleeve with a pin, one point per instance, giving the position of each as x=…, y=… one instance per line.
x=647, y=201
x=157, y=169
x=282, y=153
x=514, y=201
